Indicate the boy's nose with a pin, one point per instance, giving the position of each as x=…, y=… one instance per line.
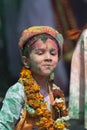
x=48, y=57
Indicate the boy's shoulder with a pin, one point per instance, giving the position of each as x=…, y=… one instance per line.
x=16, y=87
x=16, y=90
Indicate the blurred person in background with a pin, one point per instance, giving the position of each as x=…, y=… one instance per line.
x=78, y=80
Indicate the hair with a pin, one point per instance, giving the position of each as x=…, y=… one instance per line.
x=28, y=45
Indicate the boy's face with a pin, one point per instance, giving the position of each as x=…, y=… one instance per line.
x=43, y=57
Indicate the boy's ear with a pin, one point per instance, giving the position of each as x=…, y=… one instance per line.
x=25, y=61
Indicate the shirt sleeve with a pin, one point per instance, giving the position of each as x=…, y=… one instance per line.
x=13, y=104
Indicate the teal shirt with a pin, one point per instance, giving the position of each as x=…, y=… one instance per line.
x=13, y=104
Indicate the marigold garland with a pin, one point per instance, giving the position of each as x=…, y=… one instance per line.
x=37, y=108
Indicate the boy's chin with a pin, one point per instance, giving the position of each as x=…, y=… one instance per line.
x=46, y=74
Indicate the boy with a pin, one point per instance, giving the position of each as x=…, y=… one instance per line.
x=35, y=102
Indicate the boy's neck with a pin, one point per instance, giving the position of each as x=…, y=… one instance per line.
x=42, y=82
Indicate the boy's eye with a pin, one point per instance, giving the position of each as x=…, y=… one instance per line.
x=39, y=52
x=53, y=52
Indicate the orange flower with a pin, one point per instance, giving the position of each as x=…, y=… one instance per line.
x=59, y=105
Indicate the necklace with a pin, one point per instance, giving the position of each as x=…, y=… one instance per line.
x=37, y=108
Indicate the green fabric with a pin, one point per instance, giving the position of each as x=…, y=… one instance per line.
x=12, y=106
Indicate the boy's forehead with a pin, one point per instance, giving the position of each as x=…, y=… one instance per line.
x=49, y=43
